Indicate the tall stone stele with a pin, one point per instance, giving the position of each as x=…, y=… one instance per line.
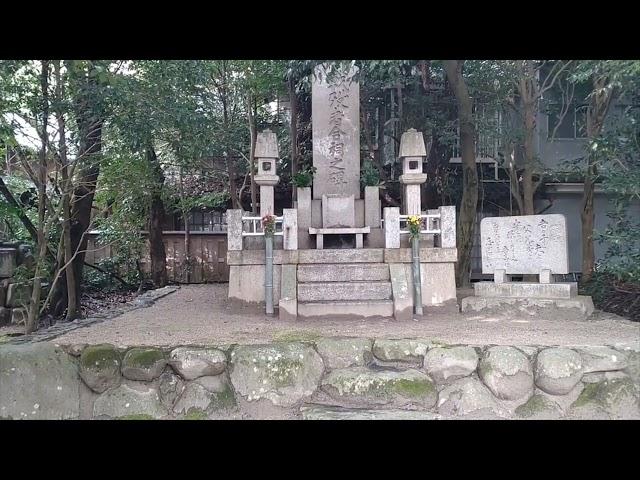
x=266, y=155
x=412, y=153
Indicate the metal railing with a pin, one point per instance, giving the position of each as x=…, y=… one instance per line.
x=432, y=224
x=254, y=225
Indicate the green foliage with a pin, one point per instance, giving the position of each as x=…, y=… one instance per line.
x=370, y=175
x=304, y=178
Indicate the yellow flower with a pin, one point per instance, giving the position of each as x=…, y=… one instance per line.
x=414, y=220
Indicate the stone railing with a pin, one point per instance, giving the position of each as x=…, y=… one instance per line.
x=239, y=227
x=323, y=378
x=441, y=222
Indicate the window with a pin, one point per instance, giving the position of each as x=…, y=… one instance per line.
x=206, y=222
x=572, y=125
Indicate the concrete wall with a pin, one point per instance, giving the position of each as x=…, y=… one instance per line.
x=569, y=204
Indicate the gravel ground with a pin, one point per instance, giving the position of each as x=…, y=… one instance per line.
x=202, y=315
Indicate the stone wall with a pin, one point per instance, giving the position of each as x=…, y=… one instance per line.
x=320, y=378
x=14, y=297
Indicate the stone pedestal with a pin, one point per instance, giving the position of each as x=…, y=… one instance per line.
x=392, y=227
x=290, y=228
x=304, y=207
x=234, y=229
x=372, y=207
x=412, y=182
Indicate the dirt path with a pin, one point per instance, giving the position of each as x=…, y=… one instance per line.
x=202, y=315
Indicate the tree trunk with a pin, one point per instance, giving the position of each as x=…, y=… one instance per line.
x=252, y=151
x=469, y=203
x=31, y=323
x=587, y=216
x=293, y=133
x=72, y=299
x=601, y=99
x=89, y=121
x=156, y=222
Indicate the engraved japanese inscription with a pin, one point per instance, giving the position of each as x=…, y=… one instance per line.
x=336, y=136
x=524, y=244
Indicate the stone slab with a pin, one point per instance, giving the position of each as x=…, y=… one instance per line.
x=372, y=207
x=246, y=283
x=335, y=107
x=580, y=305
x=288, y=304
x=234, y=230
x=304, y=207
x=525, y=244
x=344, y=272
x=256, y=257
x=526, y=290
x=370, y=255
x=338, y=211
x=290, y=229
x=447, y=226
x=340, y=413
x=316, y=213
x=348, y=309
x=427, y=255
x=391, y=227
x=402, y=293
x=338, y=230
x=325, y=291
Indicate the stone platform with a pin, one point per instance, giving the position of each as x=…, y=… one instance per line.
x=578, y=306
x=563, y=290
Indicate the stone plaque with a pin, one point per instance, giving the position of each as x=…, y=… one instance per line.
x=524, y=244
x=336, y=133
x=338, y=211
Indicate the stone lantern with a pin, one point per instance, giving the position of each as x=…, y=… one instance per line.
x=412, y=152
x=266, y=155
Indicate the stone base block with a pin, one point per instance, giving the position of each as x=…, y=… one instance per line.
x=288, y=309
x=348, y=309
x=564, y=290
x=580, y=305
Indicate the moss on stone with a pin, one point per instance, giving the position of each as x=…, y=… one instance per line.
x=143, y=357
x=413, y=388
x=98, y=357
x=283, y=371
x=223, y=400
x=195, y=413
x=604, y=393
x=535, y=405
x=136, y=416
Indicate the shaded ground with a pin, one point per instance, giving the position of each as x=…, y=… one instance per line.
x=202, y=315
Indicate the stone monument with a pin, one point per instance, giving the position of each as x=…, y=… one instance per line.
x=521, y=245
x=335, y=103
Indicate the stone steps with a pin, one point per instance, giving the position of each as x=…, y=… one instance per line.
x=343, y=272
x=340, y=255
x=340, y=290
x=346, y=308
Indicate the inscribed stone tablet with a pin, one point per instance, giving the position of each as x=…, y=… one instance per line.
x=524, y=244
x=335, y=111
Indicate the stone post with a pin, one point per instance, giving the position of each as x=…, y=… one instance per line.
x=304, y=207
x=266, y=155
x=391, y=227
x=412, y=153
x=448, y=227
x=290, y=229
x=372, y=207
x=234, y=229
